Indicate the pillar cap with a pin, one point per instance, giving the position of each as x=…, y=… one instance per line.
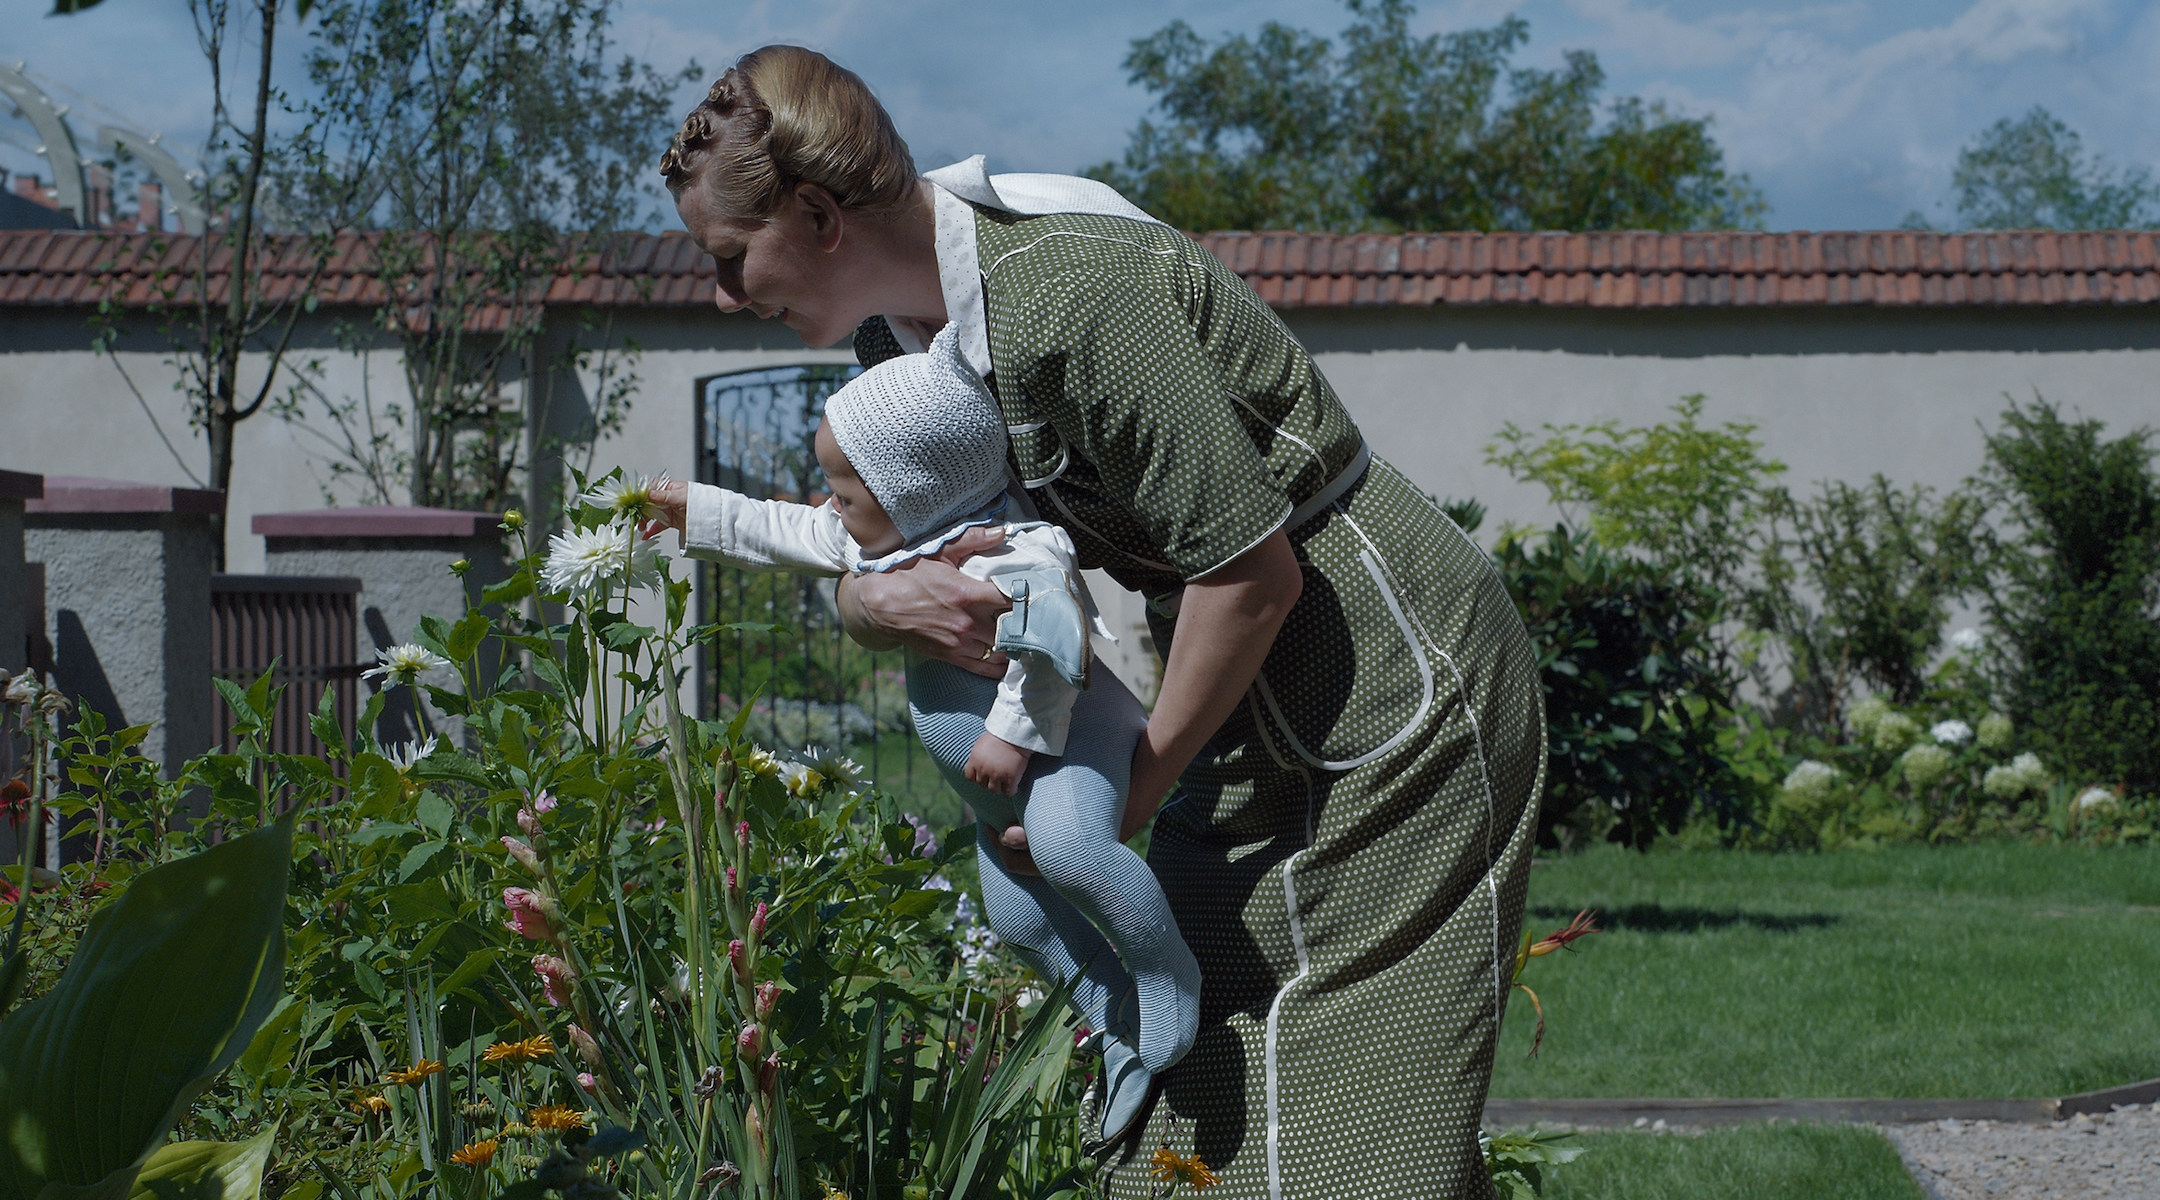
x=378, y=521
x=89, y=494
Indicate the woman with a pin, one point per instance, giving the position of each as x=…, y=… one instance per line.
x=1349, y=705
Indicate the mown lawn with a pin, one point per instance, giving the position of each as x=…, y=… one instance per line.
x=1962, y=971
x=1806, y=1162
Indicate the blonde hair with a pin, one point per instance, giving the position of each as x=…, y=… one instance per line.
x=782, y=116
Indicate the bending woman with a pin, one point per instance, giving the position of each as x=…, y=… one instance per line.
x=1349, y=707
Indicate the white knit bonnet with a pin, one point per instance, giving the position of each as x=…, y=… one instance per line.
x=925, y=435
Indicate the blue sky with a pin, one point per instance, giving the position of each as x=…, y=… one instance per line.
x=1847, y=114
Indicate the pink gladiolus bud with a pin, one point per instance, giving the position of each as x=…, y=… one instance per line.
x=749, y=1042
x=732, y=886
x=586, y=1081
x=587, y=1048
x=768, y=1073
x=754, y=1125
x=523, y=853
x=528, y=817
x=742, y=835
x=768, y=995
x=543, y=803
x=739, y=958
x=556, y=979
x=757, y=920
x=529, y=914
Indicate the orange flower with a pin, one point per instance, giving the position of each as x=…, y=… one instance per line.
x=370, y=1104
x=555, y=1118
x=479, y=1154
x=412, y=1075
x=532, y=1049
x=1174, y=1168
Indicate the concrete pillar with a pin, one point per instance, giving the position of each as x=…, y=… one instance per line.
x=15, y=488
x=126, y=604
x=402, y=557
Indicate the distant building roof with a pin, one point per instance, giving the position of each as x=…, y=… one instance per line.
x=1289, y=270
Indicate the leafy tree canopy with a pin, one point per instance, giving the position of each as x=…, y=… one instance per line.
x=1383, y=130
x=2033, y=173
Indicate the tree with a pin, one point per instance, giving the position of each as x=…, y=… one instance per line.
x=2033, y=173
x=1391, y=131
x=210, y=325
x=501, y=142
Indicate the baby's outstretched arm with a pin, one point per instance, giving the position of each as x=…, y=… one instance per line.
x=757, y=535
x=998, y=764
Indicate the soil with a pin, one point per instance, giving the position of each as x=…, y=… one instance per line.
x=2115, y=1156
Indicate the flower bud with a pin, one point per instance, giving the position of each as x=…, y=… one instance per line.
x=739, y=958
x=768, y=1074
x=733, y=886
x=768, y=996
x=585, y=1080
x=523, y=853
x=530, y=914
x=513, y=520
x=757, y=921
x=749, y=1042
x=460, y=566
x=556, y=979
x=742, y=836
x=587, y=1048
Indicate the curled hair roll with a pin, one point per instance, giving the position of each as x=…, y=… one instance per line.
x=783, y=116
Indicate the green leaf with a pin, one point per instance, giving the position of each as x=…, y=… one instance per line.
x=12, y=973
x=165, y=989
x=417, y=859
x=510, y=590
x=275, y=1042
x=206, y=1170
x=465, y=639
x=475, y=965
x=435, y=813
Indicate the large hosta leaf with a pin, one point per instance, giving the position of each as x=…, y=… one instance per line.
x=164, y=991
x=205, y=1170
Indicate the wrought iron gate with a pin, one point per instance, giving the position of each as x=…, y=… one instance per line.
x=811, y=685
x=304, y=624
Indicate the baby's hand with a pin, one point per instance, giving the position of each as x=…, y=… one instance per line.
x=997, y=764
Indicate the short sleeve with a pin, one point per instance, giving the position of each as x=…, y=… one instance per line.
x=1122, y=376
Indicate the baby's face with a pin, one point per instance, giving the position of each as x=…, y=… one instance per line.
x=860, y=513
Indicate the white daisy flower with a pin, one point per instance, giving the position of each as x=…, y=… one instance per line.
x=405, y=755
x=402, y=664
x=625, y=495
x=580, y=560
x=802, y=780
x=1951, y=733
x=833, y=765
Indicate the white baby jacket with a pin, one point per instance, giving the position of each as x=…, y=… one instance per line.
x=1034, y=703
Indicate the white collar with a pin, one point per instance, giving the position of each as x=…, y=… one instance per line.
x=969, y=182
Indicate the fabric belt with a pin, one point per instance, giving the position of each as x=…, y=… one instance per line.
x=1333, y=490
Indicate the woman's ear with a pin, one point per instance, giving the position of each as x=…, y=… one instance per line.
x=821, y=214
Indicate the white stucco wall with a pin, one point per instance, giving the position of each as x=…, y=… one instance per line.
x=1836, y=394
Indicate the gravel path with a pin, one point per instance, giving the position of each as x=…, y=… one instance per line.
x=2116, y=1156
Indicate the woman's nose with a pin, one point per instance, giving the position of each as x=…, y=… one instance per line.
x=729, y=301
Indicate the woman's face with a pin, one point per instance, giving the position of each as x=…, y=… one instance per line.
x=782, y=266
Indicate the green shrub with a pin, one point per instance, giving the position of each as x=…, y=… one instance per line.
x=2073, y=591
x=1635, y=708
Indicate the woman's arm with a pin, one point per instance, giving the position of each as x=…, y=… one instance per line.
x=1226, y=624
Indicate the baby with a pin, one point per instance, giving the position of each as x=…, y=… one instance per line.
x=914, y=452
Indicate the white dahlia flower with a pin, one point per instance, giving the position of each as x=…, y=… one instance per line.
x=402, y=664
x=580, y=560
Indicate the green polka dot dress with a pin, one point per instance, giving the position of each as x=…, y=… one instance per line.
x=1348, y=855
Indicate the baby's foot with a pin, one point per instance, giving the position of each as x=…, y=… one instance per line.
x=1125, y=1083
x=1169, y=1005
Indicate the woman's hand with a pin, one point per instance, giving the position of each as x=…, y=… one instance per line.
x=931, y=608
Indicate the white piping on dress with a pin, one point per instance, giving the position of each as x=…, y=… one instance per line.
x=1492, y=814
x=1270, y=1062
x=1417, y=653
x=1074, y=233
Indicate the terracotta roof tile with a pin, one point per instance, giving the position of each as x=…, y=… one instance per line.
x=1288, y=269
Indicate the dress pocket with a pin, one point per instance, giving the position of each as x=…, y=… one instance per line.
x=1349, y=677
